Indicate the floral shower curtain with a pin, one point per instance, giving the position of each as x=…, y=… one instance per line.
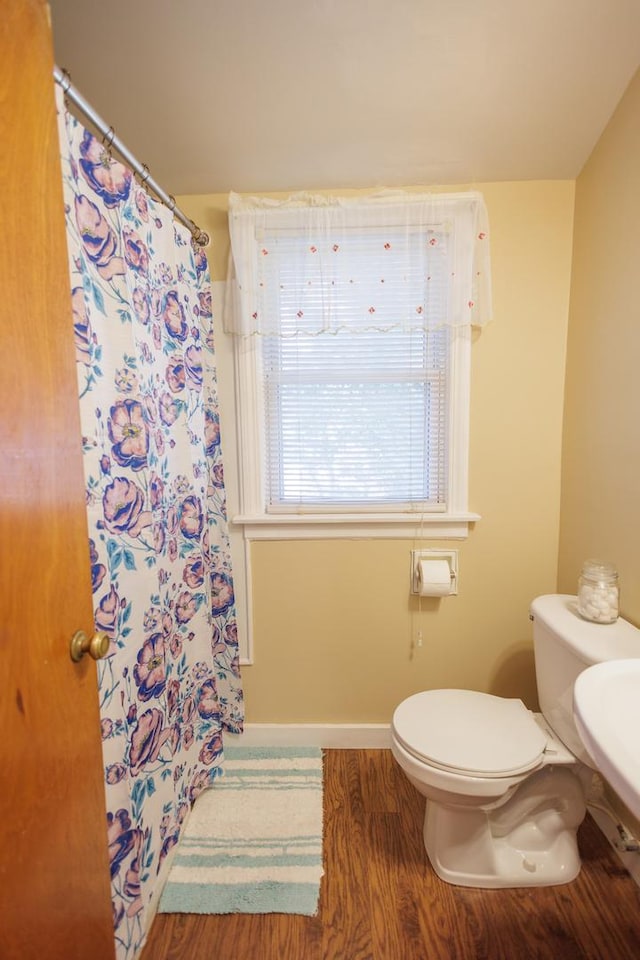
x=160, y=561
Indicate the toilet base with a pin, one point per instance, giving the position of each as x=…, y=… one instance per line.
x=529, y=841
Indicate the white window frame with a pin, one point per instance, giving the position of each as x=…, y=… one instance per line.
x=259, y=524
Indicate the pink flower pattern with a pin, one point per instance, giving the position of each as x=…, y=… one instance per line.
x=129, y=434
x=149, y=672
x=141, y=318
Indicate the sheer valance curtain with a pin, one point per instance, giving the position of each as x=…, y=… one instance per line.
x=292, y=263
x=352, y=319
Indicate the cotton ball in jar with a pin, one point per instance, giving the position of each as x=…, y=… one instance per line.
x=598, y=596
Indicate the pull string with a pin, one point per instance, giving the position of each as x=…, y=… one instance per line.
x=112, y=142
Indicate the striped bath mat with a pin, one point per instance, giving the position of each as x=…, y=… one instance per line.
x=253, y=842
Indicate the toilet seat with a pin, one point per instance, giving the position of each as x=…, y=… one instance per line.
x=470, y=733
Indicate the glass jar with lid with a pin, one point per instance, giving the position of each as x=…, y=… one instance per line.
x=598, y=591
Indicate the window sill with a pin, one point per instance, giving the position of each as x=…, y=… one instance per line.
x=394, y=526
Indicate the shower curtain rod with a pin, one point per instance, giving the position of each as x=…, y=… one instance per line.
x=114, y=143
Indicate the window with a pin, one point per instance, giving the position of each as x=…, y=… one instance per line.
x=353, y=368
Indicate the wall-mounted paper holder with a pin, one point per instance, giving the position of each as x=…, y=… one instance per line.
x=450, y=556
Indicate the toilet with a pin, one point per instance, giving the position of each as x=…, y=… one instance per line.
x=505, y=787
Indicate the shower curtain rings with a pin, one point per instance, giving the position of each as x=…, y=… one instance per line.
x=111, y=144
x=65, y=83
x=145, y=173
x=108, y=138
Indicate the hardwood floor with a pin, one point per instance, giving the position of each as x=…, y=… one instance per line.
x=381, y=900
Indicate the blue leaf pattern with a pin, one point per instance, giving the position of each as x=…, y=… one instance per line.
x=159, y=551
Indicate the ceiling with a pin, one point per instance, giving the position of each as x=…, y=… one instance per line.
x=279, y=95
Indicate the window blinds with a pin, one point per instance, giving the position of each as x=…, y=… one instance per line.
x=356, y=418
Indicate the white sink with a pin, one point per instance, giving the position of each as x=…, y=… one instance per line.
x=606, y=709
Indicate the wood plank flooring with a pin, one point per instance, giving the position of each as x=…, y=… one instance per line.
x=381, y=900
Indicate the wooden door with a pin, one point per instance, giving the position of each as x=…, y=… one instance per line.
x=54, y=873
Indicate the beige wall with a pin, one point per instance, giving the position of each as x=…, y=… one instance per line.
x=600, y=508
x=334, y=622
x=600, y=515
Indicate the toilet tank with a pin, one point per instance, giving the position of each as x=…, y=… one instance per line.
x=564, y=645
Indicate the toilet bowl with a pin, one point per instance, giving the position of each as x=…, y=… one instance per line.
x=504, y=799
x=505, y=787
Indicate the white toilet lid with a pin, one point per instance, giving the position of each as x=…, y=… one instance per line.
x=468, y=732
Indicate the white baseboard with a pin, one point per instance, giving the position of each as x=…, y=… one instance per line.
x=607, y=823
x=334, y=736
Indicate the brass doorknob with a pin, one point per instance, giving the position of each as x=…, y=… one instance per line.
x=96, y=646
